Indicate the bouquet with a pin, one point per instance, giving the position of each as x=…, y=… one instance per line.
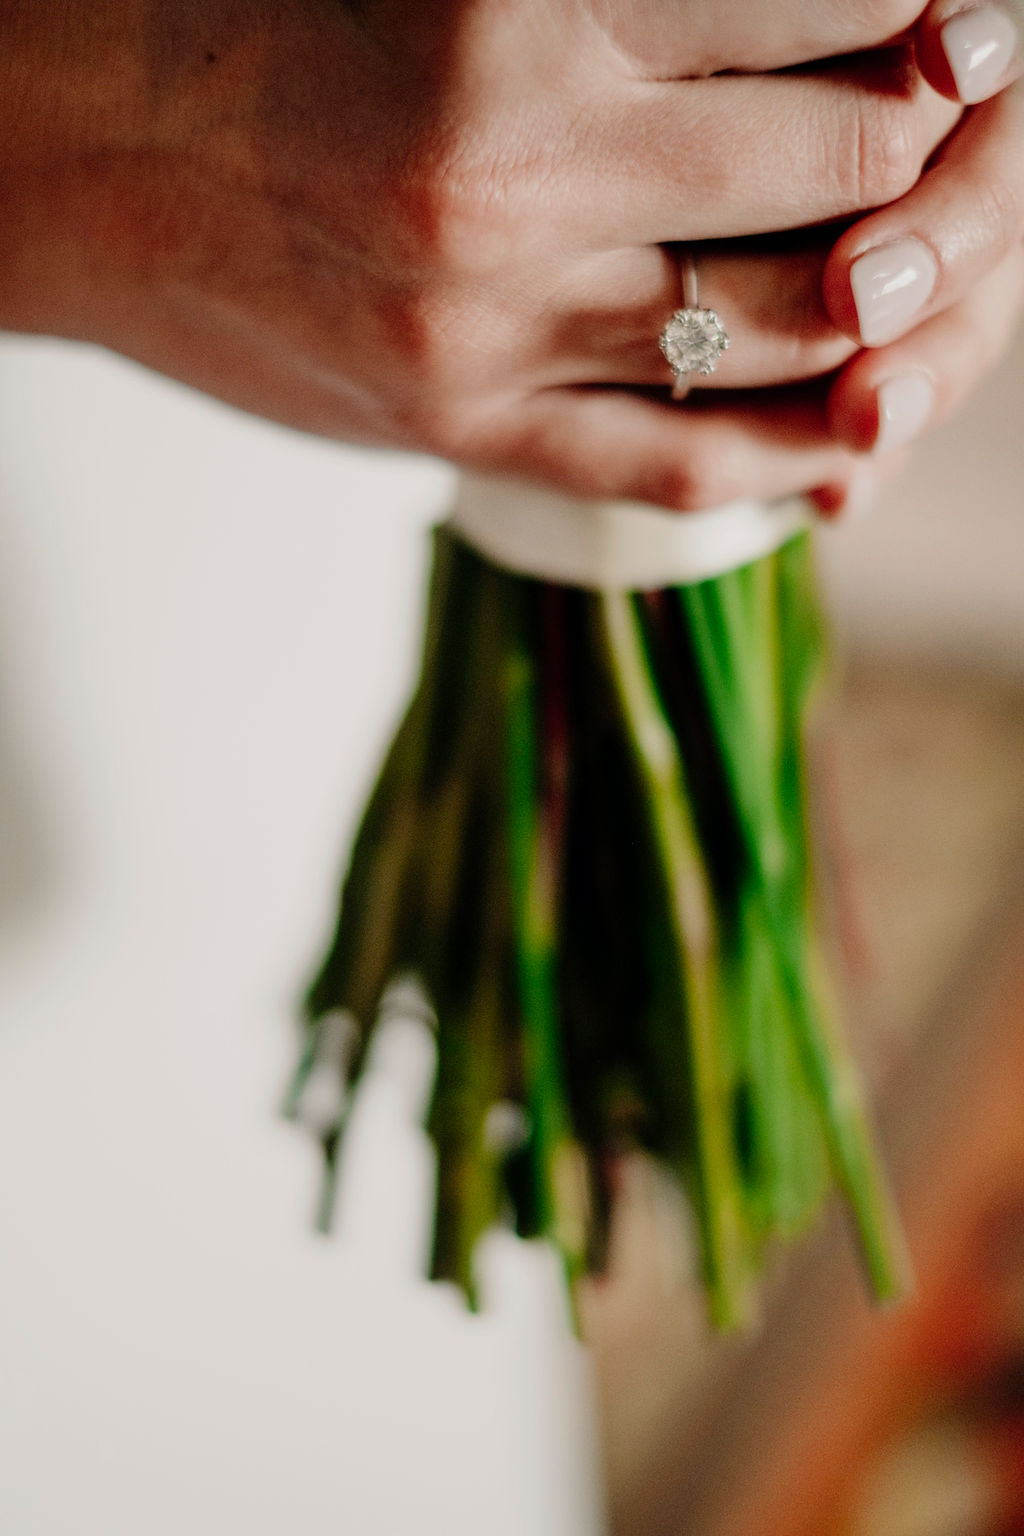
x=590, y=843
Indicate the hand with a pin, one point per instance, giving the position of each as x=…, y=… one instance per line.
x=961, y=228
x=963, y=221
x=442, y=227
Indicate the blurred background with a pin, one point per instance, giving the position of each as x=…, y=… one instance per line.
x=207, y=628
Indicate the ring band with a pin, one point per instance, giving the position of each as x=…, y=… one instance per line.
x=694, y=338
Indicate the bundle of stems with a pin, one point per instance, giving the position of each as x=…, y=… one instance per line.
x=590, y=843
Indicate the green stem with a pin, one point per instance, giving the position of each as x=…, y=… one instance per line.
x=535, y=836
x=758, y=714
x=658, y=761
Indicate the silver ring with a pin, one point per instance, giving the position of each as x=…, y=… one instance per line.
x=694, y=338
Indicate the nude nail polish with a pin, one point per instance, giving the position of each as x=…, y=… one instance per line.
x=979, y=46
x=905, y=404
x=890, y=285
x=861, y=495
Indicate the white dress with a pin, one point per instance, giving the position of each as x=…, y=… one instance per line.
x=207, y=626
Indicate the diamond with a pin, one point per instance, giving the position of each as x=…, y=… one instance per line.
x=693, y=341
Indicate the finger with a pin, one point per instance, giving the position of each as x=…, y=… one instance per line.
x=859, y=491
x=686, y=38
x=767, y=294
x=608, y=444
x=747, y=155
x=884, y=399
x=909, y=261
x=970, y=51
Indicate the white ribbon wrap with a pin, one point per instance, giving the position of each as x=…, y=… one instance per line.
x=621, y=545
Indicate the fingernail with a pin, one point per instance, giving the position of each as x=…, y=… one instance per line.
x=979, y=46
x=904, y=406
x=890, y=284
x=861, y=495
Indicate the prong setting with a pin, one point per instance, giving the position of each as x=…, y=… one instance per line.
x=692, y=342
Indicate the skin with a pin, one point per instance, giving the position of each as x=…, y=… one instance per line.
x=443, y=227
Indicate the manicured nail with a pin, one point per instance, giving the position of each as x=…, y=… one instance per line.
x=890, y=284
x=979, y=46
x=905, y=404
x=861, y=495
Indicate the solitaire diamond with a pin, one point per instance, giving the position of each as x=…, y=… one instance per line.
x=693, y=341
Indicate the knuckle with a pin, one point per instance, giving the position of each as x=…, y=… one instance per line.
x=886, y=155
x=435, y=209
x=452, y=205
x=700, y=479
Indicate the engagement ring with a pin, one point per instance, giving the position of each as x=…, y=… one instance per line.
x=694, y=338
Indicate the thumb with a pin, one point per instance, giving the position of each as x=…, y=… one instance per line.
x=969, y=51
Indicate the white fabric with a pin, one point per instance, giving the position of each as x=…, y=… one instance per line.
x=183, y=587
x=616, y=544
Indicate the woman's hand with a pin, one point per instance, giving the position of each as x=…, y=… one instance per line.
x=935, y=299
x=932, y=284
x=442, y=227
